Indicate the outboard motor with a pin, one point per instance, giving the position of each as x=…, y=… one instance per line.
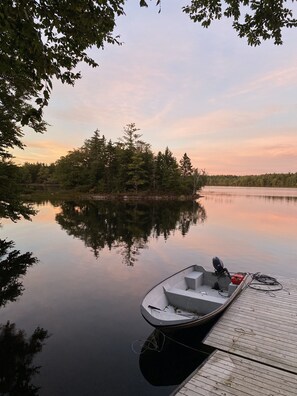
x=219, y=267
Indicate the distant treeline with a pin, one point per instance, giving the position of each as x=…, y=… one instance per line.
x=266, y=180
x=128, y=165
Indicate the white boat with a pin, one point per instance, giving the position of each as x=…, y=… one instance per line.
x=192, y=297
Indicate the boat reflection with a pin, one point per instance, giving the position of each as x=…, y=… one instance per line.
x=169, y=359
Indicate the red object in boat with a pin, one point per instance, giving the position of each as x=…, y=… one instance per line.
x=236, y=279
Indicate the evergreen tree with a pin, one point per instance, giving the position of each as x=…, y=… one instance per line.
x=167, y=174
x=128, y=165
x=130, y=139
x=71, y=170
x=186, y=166
x=137, y=176
x=11, y=205
x=96, y=156
x=111, y=172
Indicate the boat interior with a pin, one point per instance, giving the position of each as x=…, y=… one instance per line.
x=199, y=292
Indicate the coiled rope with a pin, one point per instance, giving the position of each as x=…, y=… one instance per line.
x=264, y=283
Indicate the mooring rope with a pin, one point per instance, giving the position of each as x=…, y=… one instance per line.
x=264, y=283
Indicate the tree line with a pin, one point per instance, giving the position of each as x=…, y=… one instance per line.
x=128, y=165
x=265, y=180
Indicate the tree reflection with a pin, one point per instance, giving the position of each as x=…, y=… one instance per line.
x=127, y=226
x=16, y=360
x=16, y=349
x=13, y=266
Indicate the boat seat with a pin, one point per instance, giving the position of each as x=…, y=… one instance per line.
x=190, y=300
x=194, y=279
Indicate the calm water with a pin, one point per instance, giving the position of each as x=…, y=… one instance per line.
x=97, y=260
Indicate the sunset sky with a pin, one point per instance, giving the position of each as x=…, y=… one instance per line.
x=230, y=107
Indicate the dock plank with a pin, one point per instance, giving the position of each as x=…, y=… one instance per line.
x=261, y=326
x=224, y=374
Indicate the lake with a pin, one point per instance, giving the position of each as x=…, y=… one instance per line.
x=98, y=259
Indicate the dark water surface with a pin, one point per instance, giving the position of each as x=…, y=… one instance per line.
x=97, y=260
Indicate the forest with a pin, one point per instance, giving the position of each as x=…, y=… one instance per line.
x=265, y=180
x=125, y=166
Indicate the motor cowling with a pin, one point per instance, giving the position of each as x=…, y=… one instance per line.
x=218, y=265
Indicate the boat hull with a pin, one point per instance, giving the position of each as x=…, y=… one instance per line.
x=192, y=297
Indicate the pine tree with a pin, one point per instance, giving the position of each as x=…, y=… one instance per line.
x=186, y=166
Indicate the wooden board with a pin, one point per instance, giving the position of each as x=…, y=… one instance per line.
x=261, y=326
x=224, y=374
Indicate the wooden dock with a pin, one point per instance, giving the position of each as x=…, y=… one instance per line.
x=256, y=342
x=224, y=374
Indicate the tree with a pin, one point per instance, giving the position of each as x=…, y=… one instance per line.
x=95, y=151
x=255, y=20
x=127, y=165
x=40, y=41
x=136, y=173
x=167, y=172
x=130, y=139
x=199, y=179
x=186, y=166
x=71, y=169
x=11, y=205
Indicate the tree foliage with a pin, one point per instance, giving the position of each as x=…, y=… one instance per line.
x=265, y=180
x=128, y=165
x=11, y=205
x=40, y=41
x=255, y=20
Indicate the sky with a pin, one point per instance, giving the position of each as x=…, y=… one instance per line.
x=204, y=92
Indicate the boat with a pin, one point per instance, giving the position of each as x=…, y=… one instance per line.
x=192, y=297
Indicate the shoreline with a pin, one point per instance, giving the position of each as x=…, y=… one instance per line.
x=121, y=197
x=142, y=197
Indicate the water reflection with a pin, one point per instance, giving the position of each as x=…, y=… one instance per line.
x=13, y=266
x=17, y=352
x=283, y=195
x=169, y=360
x=127, y=226
x=16, y=349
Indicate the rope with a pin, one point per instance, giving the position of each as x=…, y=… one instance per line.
x=151, y=344
x=265, y=283
x=184, y=345
x=241, y=332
